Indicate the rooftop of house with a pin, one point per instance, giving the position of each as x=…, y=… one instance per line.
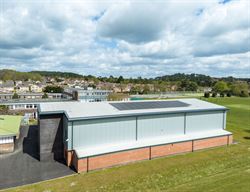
x=9, y=125
x=86, y=89
x=94, y=110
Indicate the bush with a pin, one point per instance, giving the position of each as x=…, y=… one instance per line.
x=222, y=94
x=45, y=96
x=206, y=94
x=15, y=96
x=243, y=94
x=214, y=94
x=229, y=94
x=53, y=89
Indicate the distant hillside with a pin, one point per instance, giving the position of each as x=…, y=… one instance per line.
x=202, y=80
x=57, y=74
x=7, y=74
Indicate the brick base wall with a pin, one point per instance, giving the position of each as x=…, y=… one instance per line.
x=80, y=165
x=170, y=149
x=117, y=158
x=230, y=139
x=211, y=142
x=68, y=157
x=6, y=148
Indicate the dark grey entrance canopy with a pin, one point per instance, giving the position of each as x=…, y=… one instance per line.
x=148, y=105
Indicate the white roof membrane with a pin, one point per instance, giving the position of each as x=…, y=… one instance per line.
x=91, y=110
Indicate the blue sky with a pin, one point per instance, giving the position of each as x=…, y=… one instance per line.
x=130, y=38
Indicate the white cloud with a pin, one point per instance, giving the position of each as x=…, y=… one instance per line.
x=130, y=38
x=134, y=21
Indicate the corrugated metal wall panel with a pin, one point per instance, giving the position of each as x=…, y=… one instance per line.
x=204, y=121
x=160, y=125
x=90, y=133
x=225, y=119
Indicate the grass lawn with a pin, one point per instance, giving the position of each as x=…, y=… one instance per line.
x=219, y=169
x=9, y=125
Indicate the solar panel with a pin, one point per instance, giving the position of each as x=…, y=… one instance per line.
x=148, y=105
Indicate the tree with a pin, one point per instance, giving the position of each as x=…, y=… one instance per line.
x=220, y=87
x=53, y=89
x=120, y=79
x=146, y=89
x=244, y=93
x=222, y=94
x=239, y=89
x=207, y=94
x=214, y=94
x=4, y=110
x=135, y=90
x=192, y=86
x=45, y=96
x=188, y=86
x=229, y=94
x=15, y=96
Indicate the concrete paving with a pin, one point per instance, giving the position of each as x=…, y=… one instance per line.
x=23, y=167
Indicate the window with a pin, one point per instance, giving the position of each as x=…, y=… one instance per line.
x=6, y=140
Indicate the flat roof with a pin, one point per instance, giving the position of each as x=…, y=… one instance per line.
x=87, y=90
x=33, y=101
x=9, y=125
x=94, y=110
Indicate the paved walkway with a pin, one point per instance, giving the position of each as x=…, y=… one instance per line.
x=23, y=167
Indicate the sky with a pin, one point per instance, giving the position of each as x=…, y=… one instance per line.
x=128, y=37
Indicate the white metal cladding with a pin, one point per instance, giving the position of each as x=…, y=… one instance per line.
x=86, y=134
x=160, y=125
x=70, y=131
x=90, y=133
x=4, y=140
x=225, y=119
x=204, y=121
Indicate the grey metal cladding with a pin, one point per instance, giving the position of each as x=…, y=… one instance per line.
x=148, y=105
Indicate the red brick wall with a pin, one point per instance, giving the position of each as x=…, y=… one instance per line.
x=79, y=164
x=6, y=148
x=210, y=142
x=169, y=149
x=68, y=157
x=230, y=139
x=117, y=158
x=108, y=160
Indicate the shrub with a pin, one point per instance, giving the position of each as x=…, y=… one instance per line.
x=243, y=94
x=222, y=94
x=45, y=96
x=15, y=96
x=229, y=94
x=214, y=94
x=207, y=94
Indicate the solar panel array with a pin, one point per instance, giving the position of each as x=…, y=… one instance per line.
x=148, y=105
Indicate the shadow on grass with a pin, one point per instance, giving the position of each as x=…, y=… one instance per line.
x=248, y=138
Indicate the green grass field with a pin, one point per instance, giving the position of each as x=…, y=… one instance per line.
x=219, y=169
x=9, y=124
